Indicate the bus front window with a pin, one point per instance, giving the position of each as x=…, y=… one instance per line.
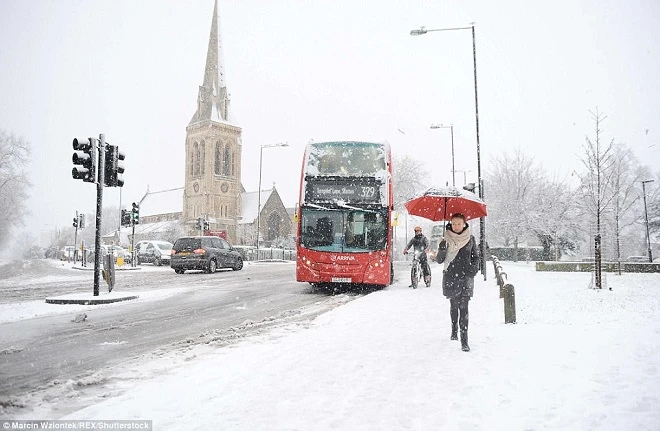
x=343, y=230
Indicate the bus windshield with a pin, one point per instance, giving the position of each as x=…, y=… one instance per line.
x=343, y=229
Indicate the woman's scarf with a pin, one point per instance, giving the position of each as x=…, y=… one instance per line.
x=455, y=241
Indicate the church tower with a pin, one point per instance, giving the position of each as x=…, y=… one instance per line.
x=213, y=150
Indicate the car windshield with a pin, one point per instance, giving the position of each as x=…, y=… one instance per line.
x=187, y=244
x=164, y=246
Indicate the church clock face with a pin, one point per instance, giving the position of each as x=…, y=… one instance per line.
x=196, y=187
x=224, y=187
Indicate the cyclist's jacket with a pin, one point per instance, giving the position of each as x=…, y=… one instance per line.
x=419, y=242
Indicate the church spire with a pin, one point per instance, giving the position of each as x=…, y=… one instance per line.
x=212, y=99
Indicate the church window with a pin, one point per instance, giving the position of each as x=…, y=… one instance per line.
x=218, y=159
x=195, y=160
x=227, y=159
x=202, y=160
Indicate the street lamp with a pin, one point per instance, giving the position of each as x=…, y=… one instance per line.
x=261, y=154
x=482, y=221
x=453, y=170
x=646, y=216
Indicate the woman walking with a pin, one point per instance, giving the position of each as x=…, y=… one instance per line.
x=459, y=254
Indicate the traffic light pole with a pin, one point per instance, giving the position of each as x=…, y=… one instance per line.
x=75, y=239
x=99, y=210
x=133, y=251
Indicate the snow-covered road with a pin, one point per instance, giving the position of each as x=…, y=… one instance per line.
x=578, y=359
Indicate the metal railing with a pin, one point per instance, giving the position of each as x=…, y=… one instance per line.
x=507, y=292
x=266, y=254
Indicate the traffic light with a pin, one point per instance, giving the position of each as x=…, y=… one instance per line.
x=81, y=221
x=206, y=225
x=470, y=187
x=114, y=166
x=85, y=159
x=75, y=222
x=125, y=218
x=136, y=213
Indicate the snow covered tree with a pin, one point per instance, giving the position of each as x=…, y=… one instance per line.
x=596, y=183
x=513, y=181
x=653, y=206
x=409, y=180
x=625, y=187
x=525, y=203
x=14, y=183
x=550, y=217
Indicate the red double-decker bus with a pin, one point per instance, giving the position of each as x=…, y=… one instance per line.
x=344, y=233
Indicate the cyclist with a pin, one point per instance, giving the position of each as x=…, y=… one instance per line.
x=421, y=244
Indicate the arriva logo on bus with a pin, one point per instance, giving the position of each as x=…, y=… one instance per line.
x=332, y=257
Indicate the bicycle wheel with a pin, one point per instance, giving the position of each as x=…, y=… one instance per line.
x=414, y=275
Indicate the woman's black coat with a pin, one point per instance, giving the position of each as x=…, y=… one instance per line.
x=458, y=279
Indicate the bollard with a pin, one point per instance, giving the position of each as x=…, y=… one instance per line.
x=503, y=280
x=109, y=270
x=509, y=303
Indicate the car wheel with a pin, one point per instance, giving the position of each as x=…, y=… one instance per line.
x=157, y=262
x=238, y=265
x=212, y=266
x=179, y=270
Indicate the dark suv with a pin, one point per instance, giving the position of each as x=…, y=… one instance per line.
x=204, y=252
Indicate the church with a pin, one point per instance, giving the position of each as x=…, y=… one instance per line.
x=213, y=190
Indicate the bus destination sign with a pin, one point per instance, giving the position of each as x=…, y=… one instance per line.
x=356, y=192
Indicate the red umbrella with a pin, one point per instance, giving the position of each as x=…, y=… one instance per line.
x=440, y=203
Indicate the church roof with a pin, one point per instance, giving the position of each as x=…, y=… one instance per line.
x=162, y=202
x=250, y=201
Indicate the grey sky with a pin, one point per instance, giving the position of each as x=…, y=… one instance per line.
x=300, y=70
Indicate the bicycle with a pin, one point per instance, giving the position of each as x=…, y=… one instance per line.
x=416, y=270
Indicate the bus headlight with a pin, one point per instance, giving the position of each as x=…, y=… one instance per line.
x=374, y=268
x=310, y=263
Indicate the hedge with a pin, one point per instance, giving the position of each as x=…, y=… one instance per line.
x=605, y=266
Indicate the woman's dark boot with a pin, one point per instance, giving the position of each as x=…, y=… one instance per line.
x=454, y=331
x=464, y=341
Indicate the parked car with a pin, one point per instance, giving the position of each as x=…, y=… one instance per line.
x=204, y=252
x=116, y=250
x=155, y=252
x=140, y=244
x=66, y=253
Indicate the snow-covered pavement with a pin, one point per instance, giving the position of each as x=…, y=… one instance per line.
x=578, y=359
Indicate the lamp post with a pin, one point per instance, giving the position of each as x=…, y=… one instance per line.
x=261, y=154
x=453, y=169
x=482, y=221
x=646, y=216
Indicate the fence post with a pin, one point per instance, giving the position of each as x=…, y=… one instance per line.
x=509, y=303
